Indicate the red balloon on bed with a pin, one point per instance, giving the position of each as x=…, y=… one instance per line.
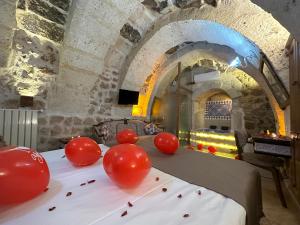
x=127, y=136
x=24, y=174
x=199, y=146
x=82, y=151
x=166, y=142
x=212, y=149
x=126, y=164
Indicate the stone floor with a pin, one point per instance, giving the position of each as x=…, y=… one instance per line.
x=275, y=213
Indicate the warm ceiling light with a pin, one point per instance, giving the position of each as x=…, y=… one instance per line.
x=235, y=63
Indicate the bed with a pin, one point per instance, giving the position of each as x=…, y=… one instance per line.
x=86, y=196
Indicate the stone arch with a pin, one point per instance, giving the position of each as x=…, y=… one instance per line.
x=121, y=52
x=262, y=27
x=251, y=108
x=90, y=44
x=95, y=52
x=190, y=53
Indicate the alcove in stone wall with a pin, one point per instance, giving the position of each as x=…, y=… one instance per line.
x=251, y=110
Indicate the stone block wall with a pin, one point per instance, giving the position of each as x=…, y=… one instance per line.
x=34, y=32
x=7, y=26
x=258, y=113
x=54, y=127
x=251, y=109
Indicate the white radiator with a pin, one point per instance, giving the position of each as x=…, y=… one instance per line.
x=19, y=127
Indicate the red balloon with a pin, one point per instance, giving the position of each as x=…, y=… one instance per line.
x=166, y=142
x=82, y=151
x=200, y=146
x=126, y=164
x=127, y=136
x=212, y=149
x=24, y=174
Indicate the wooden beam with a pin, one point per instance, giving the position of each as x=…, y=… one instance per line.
x=178, y=98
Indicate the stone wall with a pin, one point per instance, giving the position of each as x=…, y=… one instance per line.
x=52, y=128
x=8, y=24
x=258, y=114
x=34, y=34
x=251, y=110
x=77, y=73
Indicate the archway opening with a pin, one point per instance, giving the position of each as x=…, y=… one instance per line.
x=193, y=48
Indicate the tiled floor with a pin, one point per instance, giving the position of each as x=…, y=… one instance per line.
x=275, y=213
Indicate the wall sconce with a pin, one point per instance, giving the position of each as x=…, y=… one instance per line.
x=295, y=135
x=136, y=110
x=26, y=101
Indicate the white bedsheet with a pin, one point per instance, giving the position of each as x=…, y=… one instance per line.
x=102, y=202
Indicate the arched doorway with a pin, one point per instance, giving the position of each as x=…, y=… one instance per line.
x=249, y=60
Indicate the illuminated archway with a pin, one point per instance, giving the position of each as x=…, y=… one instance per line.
x=189, y=54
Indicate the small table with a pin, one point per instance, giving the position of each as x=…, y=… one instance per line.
x=273, y=146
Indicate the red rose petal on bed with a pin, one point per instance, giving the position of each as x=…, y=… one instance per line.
x=186, y=215
x=52, y=208
x=130, y=204
x=124, y=213
x=164, y=189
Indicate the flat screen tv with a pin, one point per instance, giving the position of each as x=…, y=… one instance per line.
x=127, y=97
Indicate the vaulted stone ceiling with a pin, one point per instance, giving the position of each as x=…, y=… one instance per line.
x=98, y=40
x=210, y=56
x=73, y=55
x=152, y=52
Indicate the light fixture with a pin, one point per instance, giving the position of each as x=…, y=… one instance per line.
x=136, y=110
x=215, y=144
x=236, y=62
x=26, y=101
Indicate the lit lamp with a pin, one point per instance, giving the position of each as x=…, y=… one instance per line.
x=136, y=110
x=295, y=135
x=26, y=101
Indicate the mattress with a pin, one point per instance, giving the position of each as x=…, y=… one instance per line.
x=93, y=199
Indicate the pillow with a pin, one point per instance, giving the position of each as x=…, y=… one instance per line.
x=104, y=132
x=151, y=129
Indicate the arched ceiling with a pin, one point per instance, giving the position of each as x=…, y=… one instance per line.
x=202, y=53
x=95, y=49
x=183, y=31
x=286, y=12
x=241, y=16
x=189, y=55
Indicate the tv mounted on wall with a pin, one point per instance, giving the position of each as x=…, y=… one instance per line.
x=127, y=97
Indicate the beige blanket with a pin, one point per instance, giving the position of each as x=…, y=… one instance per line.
x=231, y=178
